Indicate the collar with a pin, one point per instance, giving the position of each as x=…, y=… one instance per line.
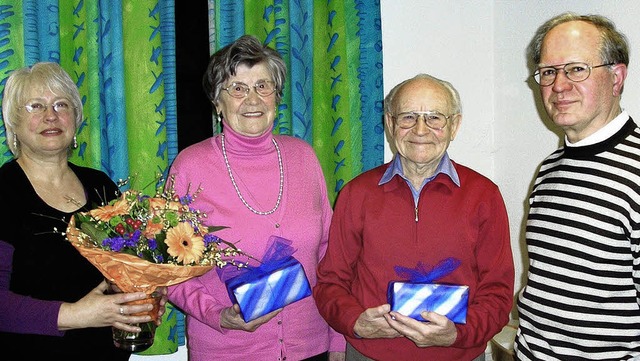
x=603, y=133
x=445, y=166
x=241, y=144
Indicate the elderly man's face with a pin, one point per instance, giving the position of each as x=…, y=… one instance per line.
x=422, y=147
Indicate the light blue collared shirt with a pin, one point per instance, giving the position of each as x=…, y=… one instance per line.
x=445, y=166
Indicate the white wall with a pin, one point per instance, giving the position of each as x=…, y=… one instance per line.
x=479, y=46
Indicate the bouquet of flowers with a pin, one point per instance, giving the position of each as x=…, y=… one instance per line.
x=141, y=242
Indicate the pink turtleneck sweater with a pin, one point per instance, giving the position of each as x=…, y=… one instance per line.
x=303, y=217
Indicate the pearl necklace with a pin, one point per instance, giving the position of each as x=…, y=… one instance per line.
x=233, y=181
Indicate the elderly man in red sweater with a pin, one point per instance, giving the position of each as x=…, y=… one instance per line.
x=420, y=208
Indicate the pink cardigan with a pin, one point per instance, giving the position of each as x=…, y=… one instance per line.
x=303, y=216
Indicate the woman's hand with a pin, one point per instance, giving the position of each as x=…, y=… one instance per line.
x=98, y=309
x=163, y=301
x=232, y=319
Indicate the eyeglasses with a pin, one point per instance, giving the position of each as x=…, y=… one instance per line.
x=60, y=107
x=433, y=119
x=546, y=75
x=241, y=90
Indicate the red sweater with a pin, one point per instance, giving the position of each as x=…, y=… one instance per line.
x=374, y=228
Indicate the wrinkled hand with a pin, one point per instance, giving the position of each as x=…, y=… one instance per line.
x=372, y=324
x=337, y=356
x=96, y=309
x=438, y=331
x=232, y=319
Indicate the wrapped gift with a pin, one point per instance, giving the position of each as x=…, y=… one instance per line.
x=279, y=281
x=410, y=299
x=418, y=292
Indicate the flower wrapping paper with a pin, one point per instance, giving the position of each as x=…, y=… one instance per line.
x=131, y=273
x=410, y=299
x=279, y=281
x=419, y=292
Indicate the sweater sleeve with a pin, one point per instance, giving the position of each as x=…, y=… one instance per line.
x=23, y=314
x=193, y=298
x=337, y=343
x=493, y=301
x=336, y=270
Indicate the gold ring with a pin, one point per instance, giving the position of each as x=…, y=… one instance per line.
x=121, y=310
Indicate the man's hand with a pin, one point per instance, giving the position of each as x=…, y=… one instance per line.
x=437, y=331
x=372, y=323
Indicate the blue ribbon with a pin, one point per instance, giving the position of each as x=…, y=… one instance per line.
x=277, y=255
x=421, y=274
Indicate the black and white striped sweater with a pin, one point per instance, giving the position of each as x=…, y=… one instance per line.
x=580, y=301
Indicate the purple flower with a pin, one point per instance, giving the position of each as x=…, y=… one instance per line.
x=115, y=244
x=187, y=199
x=209, y=238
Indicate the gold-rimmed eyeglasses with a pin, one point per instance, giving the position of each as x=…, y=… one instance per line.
x=60, y=107
x=576, y=72
x=240, y=90
x=433, y=119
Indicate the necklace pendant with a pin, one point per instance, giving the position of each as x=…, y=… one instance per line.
x=277, y=225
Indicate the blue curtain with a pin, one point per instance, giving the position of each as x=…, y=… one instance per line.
x=334, y=92
x=121, y=53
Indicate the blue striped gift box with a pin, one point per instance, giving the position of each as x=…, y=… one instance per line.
x=258, y=292
x=410, y=299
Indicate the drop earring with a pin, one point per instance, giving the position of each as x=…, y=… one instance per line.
x=15, y=141
x=75, y=143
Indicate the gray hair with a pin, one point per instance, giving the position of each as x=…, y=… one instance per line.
x=614, y=46
x=20, y=86
x=246, y=50
x=455, y=105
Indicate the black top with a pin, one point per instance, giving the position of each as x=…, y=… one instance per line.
x=46, y=266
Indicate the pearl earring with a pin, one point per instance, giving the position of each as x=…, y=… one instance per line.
x=75, y=143
x=15, y=141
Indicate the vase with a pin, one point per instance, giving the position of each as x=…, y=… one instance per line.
x=137, y=341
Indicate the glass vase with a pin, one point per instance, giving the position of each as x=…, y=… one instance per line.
x=138, y=341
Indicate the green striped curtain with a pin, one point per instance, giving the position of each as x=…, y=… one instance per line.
x=121, y=55
x=334, y=91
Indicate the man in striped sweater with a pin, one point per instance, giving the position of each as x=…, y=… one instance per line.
x=580, y=301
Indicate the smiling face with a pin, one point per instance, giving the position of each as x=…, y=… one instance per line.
x=254, y=114
x=580, y=108
x=420, y=146
x=47, y=133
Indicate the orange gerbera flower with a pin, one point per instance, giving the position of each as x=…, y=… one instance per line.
x=152, y=229
x=105, y=213
x=183, y=244
x=159, y=205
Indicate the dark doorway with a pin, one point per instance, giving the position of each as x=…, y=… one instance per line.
x=192, y=57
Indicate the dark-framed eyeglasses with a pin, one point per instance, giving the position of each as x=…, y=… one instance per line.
x=576, y=72
x=240, y=90
x=433, y=119
x=60, y=107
